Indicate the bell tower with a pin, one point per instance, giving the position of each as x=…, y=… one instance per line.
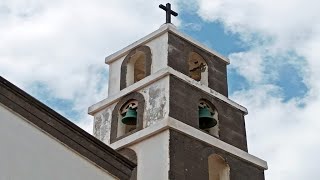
x=168, y=110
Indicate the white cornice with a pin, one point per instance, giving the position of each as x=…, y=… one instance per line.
x=155, y=77
x=162, y=30
x=171, y=123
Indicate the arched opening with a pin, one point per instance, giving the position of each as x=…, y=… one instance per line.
x=131, y=107
x=140, y=68
x=208, y=118
x=198, y=68
x=218, y=168
x=135, y=66
x=127, y=118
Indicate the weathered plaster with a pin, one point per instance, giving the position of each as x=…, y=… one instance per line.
x=157, y=105
x=102, y=124
x=156, y=108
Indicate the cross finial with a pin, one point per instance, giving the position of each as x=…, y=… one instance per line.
x=169, y=12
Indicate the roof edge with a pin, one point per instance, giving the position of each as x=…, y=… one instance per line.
x=64, y=130
x=163, y=29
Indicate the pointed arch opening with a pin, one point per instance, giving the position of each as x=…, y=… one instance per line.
x=198, y=68
x=218, y=168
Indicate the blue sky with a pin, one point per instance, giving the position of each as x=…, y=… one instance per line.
x=215, y=36
x=55, y=51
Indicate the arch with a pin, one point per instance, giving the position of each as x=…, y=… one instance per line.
x=218, y=168
x=215, y=129
x=130, y=106
x=118, y=130
x=198, y=68
x=135, y=66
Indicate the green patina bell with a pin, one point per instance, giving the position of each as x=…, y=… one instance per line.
x=206, y=119
x=130, y=118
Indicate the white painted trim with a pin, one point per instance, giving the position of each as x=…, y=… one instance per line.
x=144, y=40
x=171, y=123
x=132, y=88
x=162, y=30
x=155, y=77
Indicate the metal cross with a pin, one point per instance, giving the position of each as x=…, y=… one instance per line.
x=169, y=12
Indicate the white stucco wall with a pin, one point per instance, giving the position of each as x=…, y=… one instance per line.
x=114, y=76
x=159, y=51
x=153, y=157
x=27, y=153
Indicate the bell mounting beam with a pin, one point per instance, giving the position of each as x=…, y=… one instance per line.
x=169, y=12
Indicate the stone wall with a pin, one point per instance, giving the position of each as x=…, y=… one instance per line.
x=189, y=160
x=178, y=53
x=184, y=100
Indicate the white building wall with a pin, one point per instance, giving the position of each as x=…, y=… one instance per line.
x=27, y=153
x=114, y=76
x=159, y=51
x=153, y=157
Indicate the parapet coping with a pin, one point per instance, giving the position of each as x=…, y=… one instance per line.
x=155, y=77
x=171, y=123
x=162, y=30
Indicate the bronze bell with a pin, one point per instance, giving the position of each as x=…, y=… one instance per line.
x=206, y=119
x=130, y=118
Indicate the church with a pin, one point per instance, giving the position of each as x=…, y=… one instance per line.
x=167, y=116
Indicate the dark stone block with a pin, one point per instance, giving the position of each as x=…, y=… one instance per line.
x=184, y=99
x=194, y=155
x=179, y=50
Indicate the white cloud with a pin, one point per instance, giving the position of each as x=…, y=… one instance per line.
x=285, y=134
x=62, y=44
x=283, y=32
x=249, y=65
x=192, y=26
